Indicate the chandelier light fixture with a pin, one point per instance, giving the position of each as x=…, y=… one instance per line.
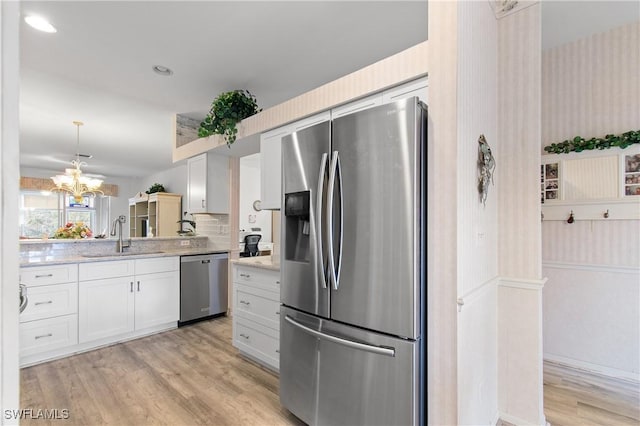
x=72, y=181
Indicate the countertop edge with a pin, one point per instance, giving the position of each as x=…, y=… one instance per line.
x=262, y=262
x=26, y=262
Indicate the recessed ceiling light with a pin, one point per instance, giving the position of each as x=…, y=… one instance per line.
x=40, y=23
x=162, y=70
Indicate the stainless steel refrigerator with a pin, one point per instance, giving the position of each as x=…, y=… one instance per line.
x=352, y=335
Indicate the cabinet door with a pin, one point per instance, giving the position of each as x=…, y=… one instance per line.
x=157, y=299
x=197, y=184
x=271, y=168
x=105, y=308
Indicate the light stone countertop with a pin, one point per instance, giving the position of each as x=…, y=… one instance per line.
x=42, y=259
x=263, y=262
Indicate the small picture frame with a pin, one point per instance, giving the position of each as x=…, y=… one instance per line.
x=632, y=175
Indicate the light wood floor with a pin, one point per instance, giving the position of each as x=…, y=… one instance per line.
x=194, y=376
x=188, y=376
x=573, y=397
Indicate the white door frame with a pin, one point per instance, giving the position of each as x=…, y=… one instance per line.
x=9, y=192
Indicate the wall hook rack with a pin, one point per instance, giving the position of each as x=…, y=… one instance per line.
x=571, y=218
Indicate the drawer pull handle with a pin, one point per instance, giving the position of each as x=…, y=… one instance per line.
x=131, y=286
x=278, y=282
x=245, y=303
x=245, y=275
x=138, y=285
x=44, y=335
x=278, y=313
x=44, y=276
x=244, y=335
x=277, y=351
x=44, y=303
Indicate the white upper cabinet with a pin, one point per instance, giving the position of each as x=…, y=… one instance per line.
x=207, y=184
x=197, y=184
x=271, y=167
x=419, y=88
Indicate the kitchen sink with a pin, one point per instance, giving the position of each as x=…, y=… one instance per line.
x=96, y=256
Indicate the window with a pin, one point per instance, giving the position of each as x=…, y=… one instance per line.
x=42, y=212
x=39, y=213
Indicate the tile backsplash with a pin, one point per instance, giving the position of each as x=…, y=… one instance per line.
x=215, y=226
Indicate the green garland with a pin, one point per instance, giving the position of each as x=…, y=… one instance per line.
x=579, y=144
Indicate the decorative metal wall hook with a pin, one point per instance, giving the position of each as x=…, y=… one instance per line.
x=486, y=166
x=571, y=218
x=606, y=214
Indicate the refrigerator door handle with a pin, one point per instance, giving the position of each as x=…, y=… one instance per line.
x=323, y=169
x=332, y=183
x=339, y=174
x=339, y=340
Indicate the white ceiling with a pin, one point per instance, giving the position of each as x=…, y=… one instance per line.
x=97, y=67
x=567, y=21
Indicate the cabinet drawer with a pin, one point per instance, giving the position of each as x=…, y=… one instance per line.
x=260, y=342
x=259, y=278
x=48, y=334
x=102, y=270
x=50, y=301
x=44, y=275
x=157, y=264
x=257, y=305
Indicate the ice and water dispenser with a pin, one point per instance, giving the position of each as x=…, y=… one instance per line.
x=298, y=226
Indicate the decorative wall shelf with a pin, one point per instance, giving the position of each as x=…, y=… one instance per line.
x=594, y=185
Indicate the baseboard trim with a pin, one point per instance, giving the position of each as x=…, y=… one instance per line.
x=608, y=372
x=519, y=421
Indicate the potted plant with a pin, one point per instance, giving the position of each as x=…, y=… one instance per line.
x=156, y=187
x=227, y=110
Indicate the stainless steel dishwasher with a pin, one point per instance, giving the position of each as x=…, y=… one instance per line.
x=203, y=287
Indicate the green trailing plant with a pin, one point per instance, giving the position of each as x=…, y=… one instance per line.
x=156, y=187
x=579, y=144
x=227, y=110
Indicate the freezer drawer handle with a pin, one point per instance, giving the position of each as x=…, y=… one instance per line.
x=349, y=343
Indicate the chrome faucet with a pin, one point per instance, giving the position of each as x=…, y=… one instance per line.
x=119, y=221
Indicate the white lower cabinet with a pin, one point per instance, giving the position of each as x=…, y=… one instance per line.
x=256, y=314
x=48, y=334
x=111, y=301
x=106, y=308
x=111, y=306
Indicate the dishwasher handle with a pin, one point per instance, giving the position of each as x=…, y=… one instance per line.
x=203, y=258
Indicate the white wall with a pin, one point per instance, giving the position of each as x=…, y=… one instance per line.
x=591, y=301
x=520, y=384
x=9, y=177
x=250, y=192
x=477, y=223
x=173, y=179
